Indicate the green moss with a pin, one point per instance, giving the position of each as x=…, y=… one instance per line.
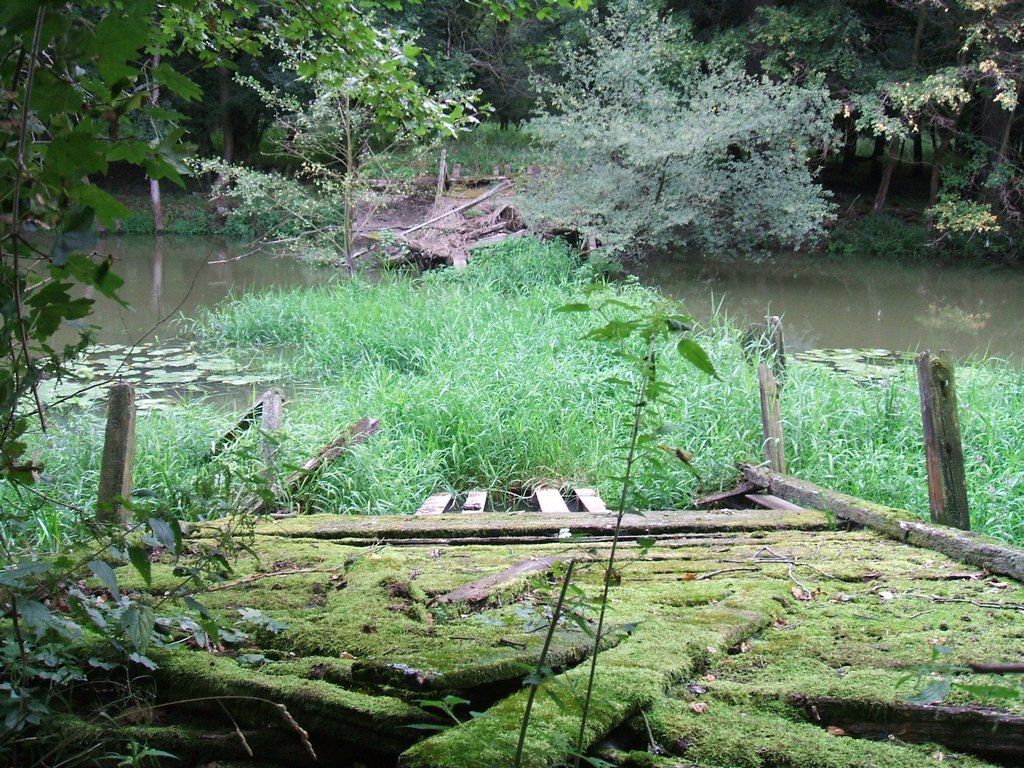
x=728, y=736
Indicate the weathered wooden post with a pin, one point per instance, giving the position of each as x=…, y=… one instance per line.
x=766, y=342
x=771, y=419
x=442, y=173
x=944, y=453
x=270, y=422
x=118, y=455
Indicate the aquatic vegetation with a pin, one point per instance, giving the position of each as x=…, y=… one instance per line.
x=478, y=382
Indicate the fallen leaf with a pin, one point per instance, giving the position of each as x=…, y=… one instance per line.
x=801, y=594
x=699, y=707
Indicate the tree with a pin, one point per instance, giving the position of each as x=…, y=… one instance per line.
x=661, y=146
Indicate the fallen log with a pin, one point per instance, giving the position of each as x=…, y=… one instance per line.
x=963, y=546
x=355, y=434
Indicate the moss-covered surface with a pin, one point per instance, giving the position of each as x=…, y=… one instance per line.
x=737, y=619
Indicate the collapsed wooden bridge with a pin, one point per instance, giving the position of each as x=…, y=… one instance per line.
x=777, y=623
x=742, y=637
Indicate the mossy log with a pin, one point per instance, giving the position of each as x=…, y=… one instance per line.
x=965, y=546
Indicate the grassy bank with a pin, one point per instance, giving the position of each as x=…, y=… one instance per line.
x=479, y=383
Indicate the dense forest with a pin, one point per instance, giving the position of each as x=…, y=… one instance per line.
x=350, y=415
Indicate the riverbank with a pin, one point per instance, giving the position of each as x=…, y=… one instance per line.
x=478, y=382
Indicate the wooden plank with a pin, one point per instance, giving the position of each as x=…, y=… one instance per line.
x=479, y=590
x=354, y=434
x=964, y=546
x=990, y=733
x=436, y=504
x=118, y=456
x=476, y=502
x=492, y=527
x=741, y=489
x=771, y=502
x=944, y=453
x=245, y=421
x=591, y=501
x=550, y=501
x=771, y=419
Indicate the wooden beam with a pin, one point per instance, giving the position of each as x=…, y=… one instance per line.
x=989, y=733
x=442, y=174
x=476, y=502
x=118, y=455
x=245, y=421
x=591, y=501
x=964, y=546
x=481, y=589
x=768, y=501
x=354, y=434
x=436, y=504
x=741, y=489
x=492, y=527
x=771, y=419
x=944, y=453
x=550, y=501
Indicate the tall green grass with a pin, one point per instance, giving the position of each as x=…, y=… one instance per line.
x=479, y=383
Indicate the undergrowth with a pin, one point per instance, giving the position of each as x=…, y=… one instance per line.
x=479, y=383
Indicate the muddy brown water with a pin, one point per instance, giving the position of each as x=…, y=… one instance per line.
x=174, y=277
x=854, y=303
x=825, y=303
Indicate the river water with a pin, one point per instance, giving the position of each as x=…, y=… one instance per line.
x=851, y=303
x=825, y=303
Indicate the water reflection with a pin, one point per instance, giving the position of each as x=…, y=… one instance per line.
x=170, y=277
x=850, y=303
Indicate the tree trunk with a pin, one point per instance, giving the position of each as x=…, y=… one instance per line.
x=883, y=186
x=154, y=184
x=224, y=79
x=933, y=186
x=850, y=145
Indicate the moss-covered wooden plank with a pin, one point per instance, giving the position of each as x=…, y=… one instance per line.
x=769, y=613
x=897, y=524
x=497, y=526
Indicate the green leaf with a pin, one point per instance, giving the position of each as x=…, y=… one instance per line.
x=77, y=235
x=577, y=307
x=164, y=534
x=137, y=622
x=177, y=82
x=693, y=352
x=139, y=557
x=934, y=692
x=108, y=209
x=106, y=575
